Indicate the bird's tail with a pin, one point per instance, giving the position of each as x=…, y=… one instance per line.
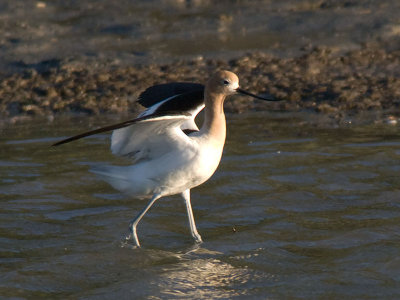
x=116, y=176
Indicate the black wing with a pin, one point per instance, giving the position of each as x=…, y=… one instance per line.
x=160, y=92
x=185, y=103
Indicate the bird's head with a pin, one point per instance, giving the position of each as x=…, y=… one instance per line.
x=227, y=83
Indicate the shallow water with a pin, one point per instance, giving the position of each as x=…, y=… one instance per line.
x=159, y=30
x=296, y=209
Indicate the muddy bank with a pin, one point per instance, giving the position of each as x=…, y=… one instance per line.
x=321, y=80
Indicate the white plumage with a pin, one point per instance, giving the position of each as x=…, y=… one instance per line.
x=167, y=161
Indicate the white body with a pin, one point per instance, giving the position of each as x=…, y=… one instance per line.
x=166, y=162
x=193, y=160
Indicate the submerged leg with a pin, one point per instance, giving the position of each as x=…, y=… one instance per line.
x=193, y=229
x=135, y=221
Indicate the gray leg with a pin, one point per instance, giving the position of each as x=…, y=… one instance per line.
x=135, y=221
x=193, y=229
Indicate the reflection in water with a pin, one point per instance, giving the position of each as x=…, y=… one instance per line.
x=315, y=210
x=202, y=278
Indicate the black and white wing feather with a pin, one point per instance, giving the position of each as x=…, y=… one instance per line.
x=160, y=128
x=177, y=97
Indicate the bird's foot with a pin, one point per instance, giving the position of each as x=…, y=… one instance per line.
x=197, y=238
x=132, y=236
x=130, y=242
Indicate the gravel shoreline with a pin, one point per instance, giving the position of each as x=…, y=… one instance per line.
x=321, y=80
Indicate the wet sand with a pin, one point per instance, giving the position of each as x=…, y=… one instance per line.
x=335, y=58
x=321, y=80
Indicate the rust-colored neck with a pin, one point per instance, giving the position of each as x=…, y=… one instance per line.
x=214, y=122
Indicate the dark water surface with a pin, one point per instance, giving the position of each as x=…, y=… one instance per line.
x=296, y=209
x=143, y=31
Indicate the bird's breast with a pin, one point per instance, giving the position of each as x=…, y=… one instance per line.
x=188, y=167
x=206, y=162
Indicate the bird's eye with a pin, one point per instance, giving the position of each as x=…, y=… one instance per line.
x=226, y=82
